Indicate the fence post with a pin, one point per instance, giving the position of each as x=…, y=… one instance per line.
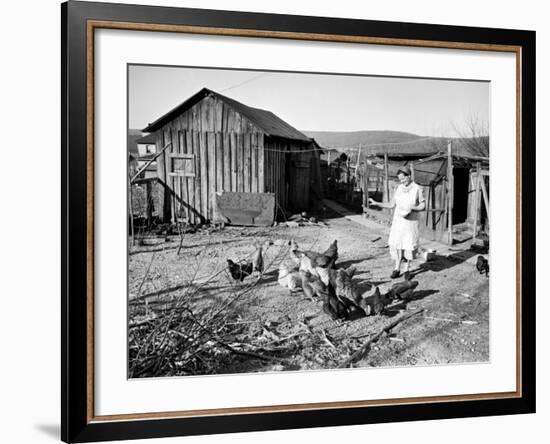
x=386, y=180
x=450, y=192
x=131, y=208
x=476, y=199
x=366, y=186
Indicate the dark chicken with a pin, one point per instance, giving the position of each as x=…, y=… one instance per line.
x=482, y=265
x=239, y=271
x=312, y=285
x=336, y=307
x=341, y=299
x=374, y=304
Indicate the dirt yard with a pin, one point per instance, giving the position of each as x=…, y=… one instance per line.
x=188, y=316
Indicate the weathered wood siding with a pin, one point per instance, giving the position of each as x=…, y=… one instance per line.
x=275, y=174
x=221, y=162
x=227, y=153
x=292, y=171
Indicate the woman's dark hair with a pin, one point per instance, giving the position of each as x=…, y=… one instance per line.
x=405, y=173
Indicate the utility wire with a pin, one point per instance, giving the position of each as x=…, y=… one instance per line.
x=362, y=146
x=245, y=82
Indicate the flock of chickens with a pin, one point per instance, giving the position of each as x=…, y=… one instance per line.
x=317, y=275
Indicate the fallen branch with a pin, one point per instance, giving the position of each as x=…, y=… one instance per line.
x=140, y=323
x=459, y=321
x=326, y=340
x=363, y=350
x=245, y=353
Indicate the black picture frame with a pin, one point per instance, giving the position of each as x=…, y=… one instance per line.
x=77, y=424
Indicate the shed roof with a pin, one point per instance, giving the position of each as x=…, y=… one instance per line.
x=461, y=147
x=265, y=120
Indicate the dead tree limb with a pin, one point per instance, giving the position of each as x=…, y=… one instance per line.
x=363, y=350
x=244, y=352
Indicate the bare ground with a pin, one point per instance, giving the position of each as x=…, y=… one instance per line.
x=290, y=332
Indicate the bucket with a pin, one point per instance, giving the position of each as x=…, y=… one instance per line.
x=428, y=254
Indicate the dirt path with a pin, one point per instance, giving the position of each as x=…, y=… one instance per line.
x=453, y=328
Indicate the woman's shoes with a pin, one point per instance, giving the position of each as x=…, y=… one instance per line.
x=395, y=274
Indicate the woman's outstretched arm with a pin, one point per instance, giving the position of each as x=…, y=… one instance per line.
x=389, y=204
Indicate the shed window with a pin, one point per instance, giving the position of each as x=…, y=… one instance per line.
x=182, y=165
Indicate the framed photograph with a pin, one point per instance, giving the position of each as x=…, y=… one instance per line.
x=275, y=221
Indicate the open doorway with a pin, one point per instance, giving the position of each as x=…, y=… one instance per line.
x=461, y=189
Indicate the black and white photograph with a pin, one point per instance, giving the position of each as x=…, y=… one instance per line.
x=292, y=221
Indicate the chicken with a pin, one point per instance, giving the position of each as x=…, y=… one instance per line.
x=312, y=285
x=335, y=307
x=343, y=284
x=258, y=260
x=289, y=278
x=482, y=265
x=402, y=290
x=239, y=271
x=309, y=291
x=373, y=304
x=324, y=260
x=340, y=299
x=317, y=264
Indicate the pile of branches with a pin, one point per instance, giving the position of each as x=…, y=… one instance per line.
x=184, y=336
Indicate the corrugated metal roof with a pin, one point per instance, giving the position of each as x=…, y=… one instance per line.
x=423, y=148
x=265, y=120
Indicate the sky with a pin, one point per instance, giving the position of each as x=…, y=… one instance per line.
x=318, y=102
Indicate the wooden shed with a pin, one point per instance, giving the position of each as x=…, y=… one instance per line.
x=211, y=143
x=455, y=179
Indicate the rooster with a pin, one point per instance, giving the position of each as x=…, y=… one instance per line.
x=239, y=271
x=482, y=265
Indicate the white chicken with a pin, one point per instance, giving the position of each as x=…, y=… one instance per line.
x=289, y=278
x=317, y=264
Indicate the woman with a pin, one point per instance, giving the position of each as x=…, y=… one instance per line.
x=408, y=201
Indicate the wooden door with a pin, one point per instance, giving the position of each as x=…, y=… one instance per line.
x=299, y=185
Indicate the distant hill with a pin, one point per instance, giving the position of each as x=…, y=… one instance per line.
x=345, y=139
x=133, y=136
x=394, y=142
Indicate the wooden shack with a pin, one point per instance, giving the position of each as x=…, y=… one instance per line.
x=455, y=180
x=212, y=143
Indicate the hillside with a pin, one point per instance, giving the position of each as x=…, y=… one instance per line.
x=333, y=139
x=393, y=142
x=133, y=136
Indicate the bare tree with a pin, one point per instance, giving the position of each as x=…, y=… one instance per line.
x=474, y=134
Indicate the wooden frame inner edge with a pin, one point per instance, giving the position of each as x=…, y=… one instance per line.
x=90, y=28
